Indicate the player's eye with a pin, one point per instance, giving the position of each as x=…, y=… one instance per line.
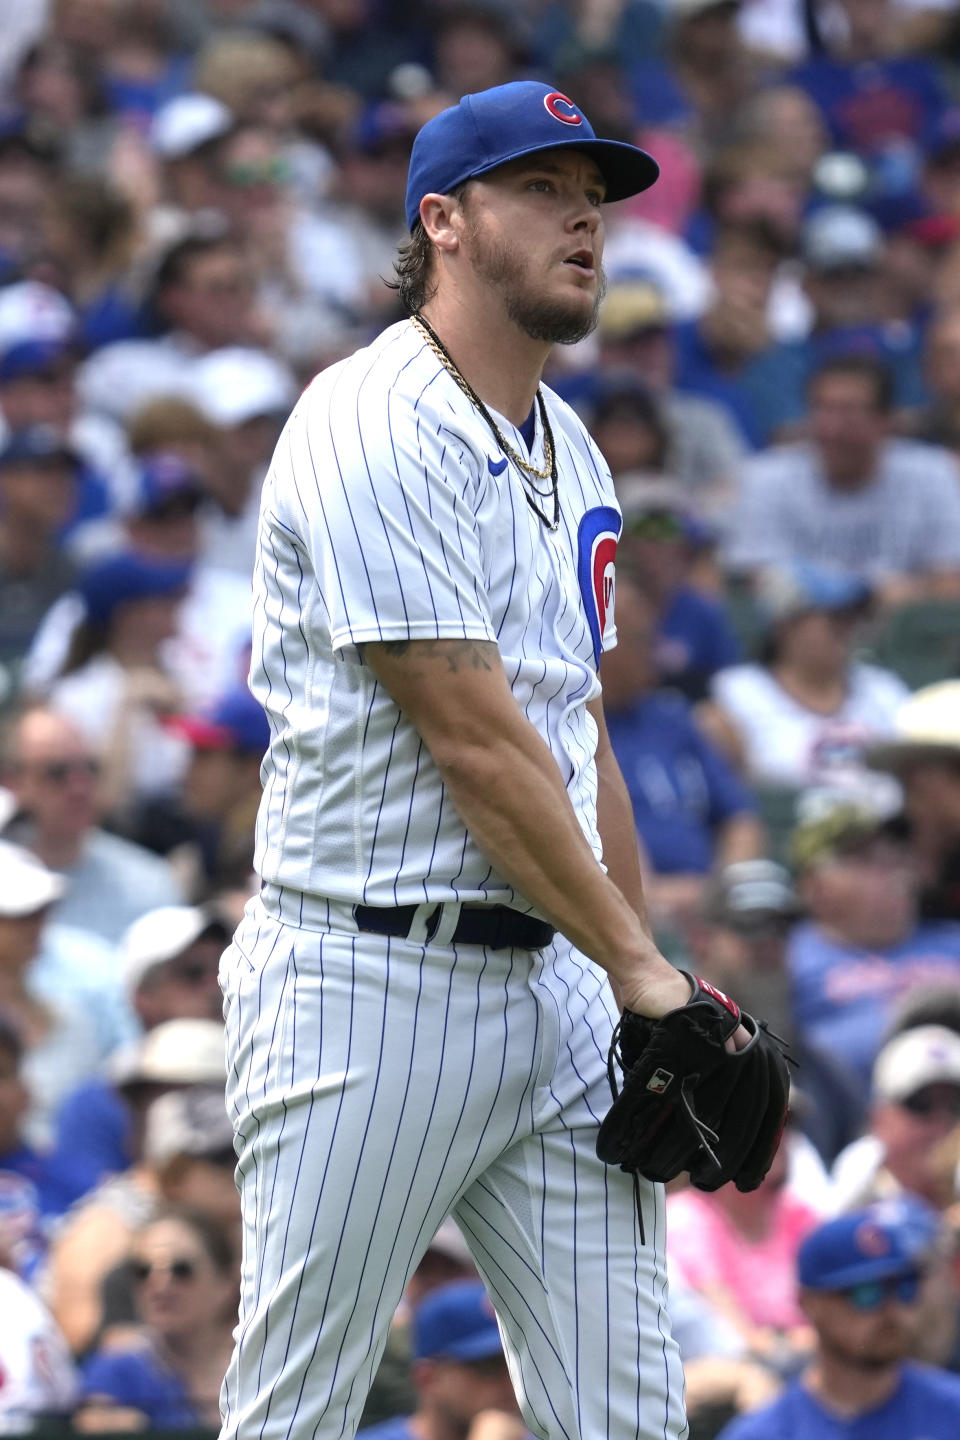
x=544, y=186
x=595, y=197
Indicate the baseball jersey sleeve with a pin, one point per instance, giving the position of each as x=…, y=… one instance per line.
x=384, y=499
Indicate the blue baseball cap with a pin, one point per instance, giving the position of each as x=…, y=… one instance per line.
x=784, y=592
x=164, y=476
x=495, y=126
x=235, y=722
x=456, y=1322
x=881, y=1241
x=127, y=577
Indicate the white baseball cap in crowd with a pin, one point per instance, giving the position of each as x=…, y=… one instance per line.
x=925, y=1055
x=240, y=383
x=178, y=1052
x=26, y=885
x=192, y=1121
x=841, y=237
x=186, y=122
x=160, y=935
x=926, y=727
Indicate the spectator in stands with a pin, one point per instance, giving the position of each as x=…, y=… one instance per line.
x=204, y=295
x=40, y=1383
x=862, y=947
x=721, y=354
x=738, y=1252
x=630, y=427
x=876, y=100
x=40, y=335
x=62, y=1042
x=711, y=69
x=739, y=942
x=168, y=1373
x=52, y=771
x=39, y=482
x=48, y=1184
x=924, y=753
x=208, y=829
x=915, y=1106
x=703, y=447
x=846, y=285
x=182, y=139
x=801, y=714
x=939, y=422
x=660, y=531
x=115, y=682
x=860, y=1280
x=309, y=279
x=247, y=395
x=95, y=1238
x=169, y=960
x=690, y=810
x=460, y=1372
x=165, y=523
x=852, y=496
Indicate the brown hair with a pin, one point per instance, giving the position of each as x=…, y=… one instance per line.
x=413, y=279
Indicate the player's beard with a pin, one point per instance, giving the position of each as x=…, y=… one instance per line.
x=505, y=268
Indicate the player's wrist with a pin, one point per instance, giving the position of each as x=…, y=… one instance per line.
x=654, y=988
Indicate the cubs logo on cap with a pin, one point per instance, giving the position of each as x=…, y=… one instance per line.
x=562, y=108
x=495, y=126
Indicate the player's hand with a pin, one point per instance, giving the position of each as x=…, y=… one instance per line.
x=665, y=990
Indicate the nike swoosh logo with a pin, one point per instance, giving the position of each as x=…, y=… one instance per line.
x=496, y=467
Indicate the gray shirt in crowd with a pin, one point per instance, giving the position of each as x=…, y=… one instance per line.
x=905, y=521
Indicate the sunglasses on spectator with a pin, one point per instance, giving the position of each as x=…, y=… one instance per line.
x=192, y=972
x=58, y=772
x=658, y=526
x=244, y=174
x=871, y=1294
x=182, y=1270
x=934, y=1102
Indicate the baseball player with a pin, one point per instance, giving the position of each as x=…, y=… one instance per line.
x=420, y=1001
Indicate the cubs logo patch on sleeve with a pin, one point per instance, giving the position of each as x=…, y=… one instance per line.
x=597, y=538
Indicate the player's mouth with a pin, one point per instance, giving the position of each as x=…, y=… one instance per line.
x=582, y=260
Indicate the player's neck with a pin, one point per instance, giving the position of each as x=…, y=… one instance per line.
x=501, y=363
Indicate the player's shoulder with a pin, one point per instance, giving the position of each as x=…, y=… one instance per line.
x=393, y=360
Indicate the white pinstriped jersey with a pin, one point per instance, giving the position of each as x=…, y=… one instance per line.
x=390, y=513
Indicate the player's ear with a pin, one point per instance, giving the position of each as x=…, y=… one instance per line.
x=440, y=218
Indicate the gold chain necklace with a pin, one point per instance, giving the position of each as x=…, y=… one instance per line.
x=525, y=469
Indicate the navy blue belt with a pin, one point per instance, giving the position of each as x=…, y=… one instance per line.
x=495, y=926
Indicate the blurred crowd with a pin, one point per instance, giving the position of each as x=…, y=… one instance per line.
x=200, y=201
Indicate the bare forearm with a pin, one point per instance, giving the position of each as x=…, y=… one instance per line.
x=511, y=798
x=508, y=790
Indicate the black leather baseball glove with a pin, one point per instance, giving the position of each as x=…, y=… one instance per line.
x=687, y=1103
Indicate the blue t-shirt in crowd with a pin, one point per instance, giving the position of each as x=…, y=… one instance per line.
x=871, y=106
x=680, y=787
x=747, y=394
x=92, y=1130
x=924, y=1406
x=137, y=1378
x=396, y=1428
x=843, y=997
x=695, y=640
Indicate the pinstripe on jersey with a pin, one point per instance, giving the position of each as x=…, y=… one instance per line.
x=386, y=514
